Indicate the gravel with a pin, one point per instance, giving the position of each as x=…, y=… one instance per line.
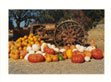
x=61, y=67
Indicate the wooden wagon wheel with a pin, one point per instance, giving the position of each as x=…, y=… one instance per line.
x=69, y=32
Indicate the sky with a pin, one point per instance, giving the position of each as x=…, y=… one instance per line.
x=21, y=25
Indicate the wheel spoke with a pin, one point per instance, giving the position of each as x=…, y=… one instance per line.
x=70, y=32
x=64, y=39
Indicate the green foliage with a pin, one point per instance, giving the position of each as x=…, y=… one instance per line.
x=95, y=15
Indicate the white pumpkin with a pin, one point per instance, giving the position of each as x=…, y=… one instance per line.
x=56, y=49
x=81, y=48
x=90, y=48
x=52, y=46
x=30, y=52
x=35, y=47
x=49, y=45
x=42, y=47
x=62, y=50
x=77, y=46
x=74, y=50
x=38, y=52
x=87, y=59
x=29, y=48
x=43, y=54
x=26, y=56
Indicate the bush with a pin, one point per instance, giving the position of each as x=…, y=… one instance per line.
x=79, y=16
x=87, y=18
x=95, y=15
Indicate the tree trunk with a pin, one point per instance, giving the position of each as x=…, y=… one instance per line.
x=18, y=24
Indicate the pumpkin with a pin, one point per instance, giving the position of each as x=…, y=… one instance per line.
x=88, y=53
x=68, y=45
x=49, y=50
x=49, y=45
x=73, y=47
x=81, y=53
x=26, y=56
x=23, y=53
x=52, y=46
x=78, y=53
x=103, y=54
x=80, y=48
x=69, y=53
x=29, y=48
x=66, y=48
x=48, y=59
x=65, y=55
x=56, y=49
x=77, y=59
x=38, y=52
x=55, y=58
x=35, y=47
x=51, y=55
x=34, y=58
x=75, y=52
x=87, y=58
x=92, y=44
x=15, y=56
x=62, y=50
x=42, y=46
x=97, y=53
x=90, y=48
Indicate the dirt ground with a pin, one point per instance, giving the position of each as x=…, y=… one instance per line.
x=63, y=67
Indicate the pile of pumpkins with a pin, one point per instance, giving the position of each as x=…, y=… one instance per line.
x=40, y=51
x=17, y=49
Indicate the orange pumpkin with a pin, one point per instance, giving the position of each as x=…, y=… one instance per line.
x=65, y=55
x=34, y=58
x=15, y=56
x=88, y=53
x=51, y=55
x=77, y=59
x=49, y=50
x=55, y=58
x=97, y=53
x=78, y=53
x=65, y=47
x=92, y=44
x=72, y=47
x=23, y=53
x=48, y=59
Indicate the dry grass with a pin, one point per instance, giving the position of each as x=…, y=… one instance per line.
x=97, y=34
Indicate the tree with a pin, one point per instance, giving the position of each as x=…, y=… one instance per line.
x=48, y=16
x=85, y=17
x=11, y=25
x=19, y=16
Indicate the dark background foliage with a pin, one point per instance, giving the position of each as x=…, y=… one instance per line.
x=87, y=18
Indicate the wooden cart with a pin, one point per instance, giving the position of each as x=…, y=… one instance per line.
x=66, y=32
